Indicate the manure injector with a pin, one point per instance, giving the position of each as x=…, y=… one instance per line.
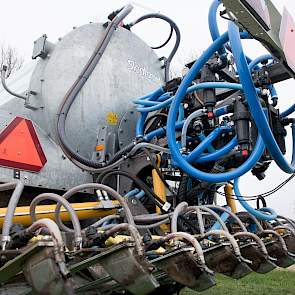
x=110, y=168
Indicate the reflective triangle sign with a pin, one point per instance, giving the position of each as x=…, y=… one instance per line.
x=20, y=147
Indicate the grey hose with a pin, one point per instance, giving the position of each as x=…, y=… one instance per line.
x=101, y=221
x=229, y=237
x=263, y=232
x=66, y=205
x=151, y=217
x=153, y=225
x=285, y=228
x=177, y=211
x=149, y=146
x=215, y=215
x=290, y=221
x=52, y=228
x=96, y=186
x=72, y=93
x=278, y=236
x=192, y=116
x=132, y=230
x=190, y=239
x=255, y=220
x=57, y=240
x=255, y=238
x=13, y=201
x=3, y=74
x=230, y=213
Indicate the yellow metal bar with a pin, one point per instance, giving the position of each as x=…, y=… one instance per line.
x=83, y=211
x=228, y=189
x=160, y=191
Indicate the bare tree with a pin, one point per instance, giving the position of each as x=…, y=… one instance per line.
x=178, y=68
x=10, y=58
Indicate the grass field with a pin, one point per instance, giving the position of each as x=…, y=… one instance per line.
x=274, y=283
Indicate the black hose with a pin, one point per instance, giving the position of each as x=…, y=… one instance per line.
x=152, y=196
x=177, y=32
x=77, y=86
x=154, y=116
x=155, y=166
x=167, y=41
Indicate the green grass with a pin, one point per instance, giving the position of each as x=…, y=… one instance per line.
x=273, y=283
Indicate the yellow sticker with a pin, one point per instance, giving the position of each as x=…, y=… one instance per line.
x=112, y=118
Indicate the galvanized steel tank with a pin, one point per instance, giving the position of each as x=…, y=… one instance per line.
x=128, y=68
x=103, y=110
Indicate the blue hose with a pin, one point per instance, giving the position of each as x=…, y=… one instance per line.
x=224, y=216
x=269, y=214
x=212, y=22
x=210, y=148
x=289, y=111
x=192, y=157
x=160, y=132
x=135, y=192
x=167, y=102
x=258, y=60
x=172, y=116
x=219, y=153
x=141, y=120
x=254, y=103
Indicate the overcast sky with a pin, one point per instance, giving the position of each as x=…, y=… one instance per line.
x=22, y=22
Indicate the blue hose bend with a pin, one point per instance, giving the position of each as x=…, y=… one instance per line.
x=264, y=214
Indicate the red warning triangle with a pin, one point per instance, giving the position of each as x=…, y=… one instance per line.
x=20, y=147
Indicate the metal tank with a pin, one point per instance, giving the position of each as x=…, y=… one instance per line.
x=102, y=110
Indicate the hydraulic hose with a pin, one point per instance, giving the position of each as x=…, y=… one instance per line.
x=3, y=81
x=52, y=228
x=13, y=201
x=177, y=211
x=254, y=103
x=96, y=186
x=153, y=225
x=166, y=42
x=269, y=214
x=229, y=237
x=191, y=240
x=66, y=205
x=177, y=41
x=138, y=182
x=107, y=218
x=230, y=213
x=77, y=86
x=132, y=230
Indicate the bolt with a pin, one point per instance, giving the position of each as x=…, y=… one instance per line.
x=134, y=202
